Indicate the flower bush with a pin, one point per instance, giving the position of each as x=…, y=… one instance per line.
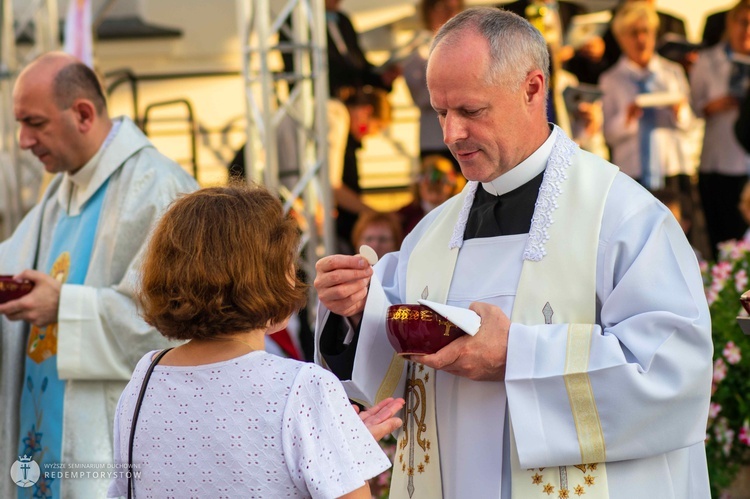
x=728, y=433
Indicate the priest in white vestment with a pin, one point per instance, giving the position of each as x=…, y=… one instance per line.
x=590, y=374
x=68, y=348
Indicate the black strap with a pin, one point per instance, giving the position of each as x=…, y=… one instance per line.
x=137, y=409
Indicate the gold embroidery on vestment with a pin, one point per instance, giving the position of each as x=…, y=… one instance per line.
x=581, y=395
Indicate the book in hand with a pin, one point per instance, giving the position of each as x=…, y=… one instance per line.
x=739, y=77
x=676, y=47
x=658, y=99
x=741, y=58
x=583, y=92
x=584, y=27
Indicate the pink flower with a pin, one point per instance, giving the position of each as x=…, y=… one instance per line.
x=711, y=295
x=720, y=370
x=722, y=271
x=724, y=435
x=744, y=436
x=725, y=248
x=384, y=478
x=703, y=266
x=732, y=353
x=740, y=281
x=737, y=251
x=714, y=410
x=733, y=249
x=729, y=439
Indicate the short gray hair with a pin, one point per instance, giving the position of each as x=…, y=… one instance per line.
x=516, y=47
x=632, y=12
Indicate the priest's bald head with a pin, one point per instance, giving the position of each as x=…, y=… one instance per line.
x=487, y=74
x=61, y=110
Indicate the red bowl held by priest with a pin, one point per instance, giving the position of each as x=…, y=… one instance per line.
x=417, y=330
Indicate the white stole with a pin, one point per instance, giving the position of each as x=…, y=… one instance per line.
x=558, y=286
x=416, y=469
x=545, y=278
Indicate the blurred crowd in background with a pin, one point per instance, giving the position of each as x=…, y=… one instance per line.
x=626, y=84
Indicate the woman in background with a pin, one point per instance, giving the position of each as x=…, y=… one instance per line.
x=649, y=143
x=380, y=231
x=436, y=183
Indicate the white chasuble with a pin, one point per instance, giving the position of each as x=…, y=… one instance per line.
x=557, y=263
x=649, y=356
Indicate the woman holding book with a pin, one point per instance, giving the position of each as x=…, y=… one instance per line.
x=646, y=111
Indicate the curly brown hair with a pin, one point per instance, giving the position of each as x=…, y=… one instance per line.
x=220, y=261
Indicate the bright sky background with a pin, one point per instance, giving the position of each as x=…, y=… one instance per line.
x=366, y=12
x=694, y=12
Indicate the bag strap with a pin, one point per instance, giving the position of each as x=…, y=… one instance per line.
x=131, y=491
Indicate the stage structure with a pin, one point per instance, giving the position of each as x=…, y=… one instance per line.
x=294, y=99
x=35, y=23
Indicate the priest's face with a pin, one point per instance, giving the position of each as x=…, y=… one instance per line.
x=45, y=129
x=488, y=127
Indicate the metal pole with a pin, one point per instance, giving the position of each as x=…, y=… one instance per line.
x=11, y=170
x=45, y=37
x=320, y=73
x=297, y=97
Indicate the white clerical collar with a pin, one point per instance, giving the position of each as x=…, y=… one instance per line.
x=77, y=188
x=524, y=171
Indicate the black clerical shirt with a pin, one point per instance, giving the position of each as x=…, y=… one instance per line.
x=503, y=215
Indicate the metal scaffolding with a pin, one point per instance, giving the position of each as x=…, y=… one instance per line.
x=37, y=23
x=279, y=98
x=275, y=98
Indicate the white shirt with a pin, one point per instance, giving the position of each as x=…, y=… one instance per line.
x=254, y=426
x=709, y=80
x=670, y=136
x=77, y=188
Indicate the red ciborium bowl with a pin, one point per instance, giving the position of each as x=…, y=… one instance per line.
x=11, y=289
x=418, y=330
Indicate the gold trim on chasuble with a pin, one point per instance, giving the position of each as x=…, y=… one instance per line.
x=42, y=342
x=583, y=191
x=581, y=396
x=568, y=482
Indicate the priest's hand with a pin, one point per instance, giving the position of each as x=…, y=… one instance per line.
x=342, y=282
x=40, y=306
x=480, y=357
x=380, y=419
